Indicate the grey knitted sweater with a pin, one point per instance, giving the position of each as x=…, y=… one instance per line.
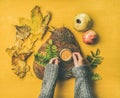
x=82, y=86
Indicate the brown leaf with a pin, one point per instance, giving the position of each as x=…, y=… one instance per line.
x=24, y=56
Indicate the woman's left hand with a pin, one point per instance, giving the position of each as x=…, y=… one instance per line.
x=54, y=61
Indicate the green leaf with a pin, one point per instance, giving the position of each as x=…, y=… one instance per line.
x=50, y=42
x=96, y=76
x=51, y=51
x=54, y=47
x=97, y=52
x=89, y=58
x=94, y=60
x=93, y=65
x=98, y=61
x=92, y=53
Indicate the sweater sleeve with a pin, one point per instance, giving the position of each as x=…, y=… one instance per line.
x=82, y=83
x=49, y=81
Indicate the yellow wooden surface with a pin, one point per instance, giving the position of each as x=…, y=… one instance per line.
x=105, y=14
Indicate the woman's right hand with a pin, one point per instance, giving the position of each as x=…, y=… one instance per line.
x=78, y=59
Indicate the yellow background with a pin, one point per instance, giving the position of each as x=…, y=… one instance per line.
x=106, y=16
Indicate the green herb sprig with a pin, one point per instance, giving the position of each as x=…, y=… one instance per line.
x=95, y=76
x=94, y=60
x=51, y=52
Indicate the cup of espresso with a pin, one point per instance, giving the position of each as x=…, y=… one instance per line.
x=66, y=54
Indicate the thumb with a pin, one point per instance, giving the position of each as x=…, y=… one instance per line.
x=56, y=61
x=74, y=58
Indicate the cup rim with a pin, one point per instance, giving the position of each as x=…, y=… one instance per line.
x=62, y=52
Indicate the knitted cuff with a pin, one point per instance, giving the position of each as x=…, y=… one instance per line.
x=80, y=71
x=49, y=81
x=51, y=71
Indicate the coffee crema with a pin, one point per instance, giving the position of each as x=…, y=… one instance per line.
x=65, y=54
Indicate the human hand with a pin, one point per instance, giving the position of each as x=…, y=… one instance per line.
x=78, y=59
x=54, y=61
